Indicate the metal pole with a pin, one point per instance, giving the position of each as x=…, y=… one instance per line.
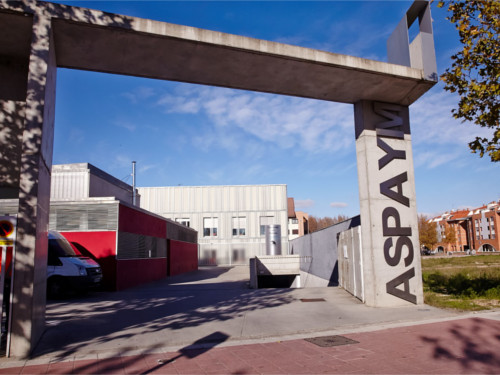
x=133, y=183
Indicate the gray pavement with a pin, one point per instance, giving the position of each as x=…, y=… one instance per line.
x=212, y=306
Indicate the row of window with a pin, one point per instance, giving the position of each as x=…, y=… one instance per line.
x=489, y=227
x=239, y=225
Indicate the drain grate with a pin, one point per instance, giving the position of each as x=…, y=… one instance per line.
x=312, y=299
x=328, y=341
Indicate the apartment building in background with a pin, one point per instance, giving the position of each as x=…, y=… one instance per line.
x=230, y=220
x=298, y=221
x=472, y=229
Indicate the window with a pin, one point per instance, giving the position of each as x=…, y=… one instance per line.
x=239, y=225
x=265, y=220
x=210, y=225
x=295, y=221
x=295, y=231
x=184, y=221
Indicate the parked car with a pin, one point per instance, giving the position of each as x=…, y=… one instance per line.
x=426, y=251
x=68, y=271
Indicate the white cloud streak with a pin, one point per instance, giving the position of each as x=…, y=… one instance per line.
x=139, y=94
x=438, y=138
x=311, y=125
x=304, y=203
x=125, y=125
x=432, y=122
x=338, y=204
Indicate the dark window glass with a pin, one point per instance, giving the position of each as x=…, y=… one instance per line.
x=61, y=248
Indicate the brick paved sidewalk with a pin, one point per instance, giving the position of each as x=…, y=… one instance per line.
x=465, y=346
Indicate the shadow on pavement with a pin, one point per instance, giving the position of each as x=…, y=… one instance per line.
x=133, y=314
x=469, y=346
x=111, y=365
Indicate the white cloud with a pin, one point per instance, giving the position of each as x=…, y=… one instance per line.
x=436, y=158
x=338, y=204
x=355, y=34
x=126, y=125
x=431, y=121
x=304, y=203
x=139, y=94
x=438, y=138
x=288, y=122
x=121, y=161
x=177, y=104
x=145, y=168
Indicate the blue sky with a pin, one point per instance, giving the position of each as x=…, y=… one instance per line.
x=185, y=134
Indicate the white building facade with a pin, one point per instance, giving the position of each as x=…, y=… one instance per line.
x=230, y=220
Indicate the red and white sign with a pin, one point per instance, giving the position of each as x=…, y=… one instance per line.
x=7, y=230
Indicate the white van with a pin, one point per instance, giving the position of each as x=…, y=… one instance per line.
x=67, y=270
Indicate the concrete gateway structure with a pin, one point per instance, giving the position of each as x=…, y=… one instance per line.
x=37, y=37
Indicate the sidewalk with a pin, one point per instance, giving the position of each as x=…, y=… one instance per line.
x=210, y=323
x=465, y=346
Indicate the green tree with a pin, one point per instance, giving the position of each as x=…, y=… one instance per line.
x=427, y=232
x=475, y=70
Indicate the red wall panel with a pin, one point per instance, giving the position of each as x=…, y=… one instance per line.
x=133, y=272
x=183, y=257
x=134, y=221
x=100, y=246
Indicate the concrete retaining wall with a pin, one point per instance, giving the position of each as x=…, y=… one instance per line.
x=319, y=254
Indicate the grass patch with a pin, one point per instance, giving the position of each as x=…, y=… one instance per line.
x=464, y=283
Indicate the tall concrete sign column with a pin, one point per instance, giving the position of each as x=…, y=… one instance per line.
x=390, y=245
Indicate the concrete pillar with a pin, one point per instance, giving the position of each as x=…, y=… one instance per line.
x=390, y=244
x=29, y=281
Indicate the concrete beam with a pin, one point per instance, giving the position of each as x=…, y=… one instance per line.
x=97, y=41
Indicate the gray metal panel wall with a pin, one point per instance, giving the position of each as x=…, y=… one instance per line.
x=139, y=246
x=83, y=180
x=351, y=262
x=83, y=216
x=9, y=207
x=99, y=187
x=178, y=199
x=69, y=184
x=179, y=232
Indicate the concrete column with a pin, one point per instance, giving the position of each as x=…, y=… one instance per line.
x=390, y=244
x=29, y=281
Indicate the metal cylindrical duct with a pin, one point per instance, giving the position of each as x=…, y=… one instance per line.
x=133, y=184
x=273, y=239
